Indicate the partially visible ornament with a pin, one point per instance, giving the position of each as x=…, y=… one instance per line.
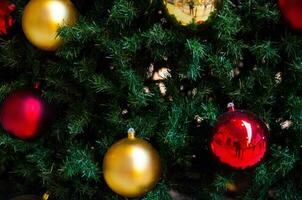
x=42, y=19
x=162, y=74
x=231, y=187
x=286, y=124
x=6, y=20
x=162, y=88
x=24, y=113
x=131, y=166
x=198, y=120
x=240, y=138
x=32, y=197
x=292, y=11
x=239, y=183
x=192, y=11
x=176, y=195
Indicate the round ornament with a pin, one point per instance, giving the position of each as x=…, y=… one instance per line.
x=24, y=113
x=192, y=11
x=240, y=138
x=292, y=11
x=31, y=197
x=42, y=19
x=6, y=20
x=131, y=166
x=27, y=197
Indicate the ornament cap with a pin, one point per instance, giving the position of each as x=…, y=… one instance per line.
x=231, y=107
x=131, y=133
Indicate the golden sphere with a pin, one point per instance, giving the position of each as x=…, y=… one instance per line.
x=27, y=197
x=42, y=19
x=131, y=166
x=32, y=197
x=192, y=11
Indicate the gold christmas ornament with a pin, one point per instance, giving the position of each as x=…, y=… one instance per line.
x=32, y=197
x=42, y=19
x=131, y=166
x=192, y=11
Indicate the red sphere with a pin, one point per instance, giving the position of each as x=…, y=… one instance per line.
x=292, y=10
x=6, y=20
x=239, y=139
x=23, y=113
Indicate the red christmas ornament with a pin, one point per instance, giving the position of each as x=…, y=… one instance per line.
x=24, y=113
x=6, y=20
x=292, y=11
x=239, y=138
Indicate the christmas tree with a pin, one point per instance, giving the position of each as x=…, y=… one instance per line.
x=127, y=63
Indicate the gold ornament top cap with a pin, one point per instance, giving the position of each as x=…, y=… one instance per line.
x=131, y=133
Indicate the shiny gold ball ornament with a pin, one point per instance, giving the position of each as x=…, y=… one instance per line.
x=32, y=197
x=131, y=166
x=42, y=19
x=27, y=197
x=192, y=11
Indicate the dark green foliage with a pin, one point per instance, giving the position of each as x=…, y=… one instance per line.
x=98, y=86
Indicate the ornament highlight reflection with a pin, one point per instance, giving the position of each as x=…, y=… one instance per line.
x=57, y=11
x=32, y=112
x=248, y=131
x=140, y=159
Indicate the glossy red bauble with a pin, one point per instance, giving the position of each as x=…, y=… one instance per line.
x=292, y=11
x=23, y=113
x=240, y=139
x=6, y=20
